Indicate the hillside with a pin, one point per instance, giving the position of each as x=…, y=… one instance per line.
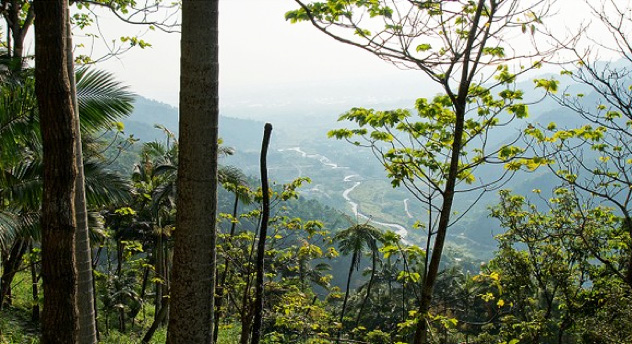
x=335, y=167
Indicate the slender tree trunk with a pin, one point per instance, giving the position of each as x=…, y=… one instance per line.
x=368, y=287
x=159, y=319
x=460, y=103
x=119, y=273
x=83, y=250
x=246, y=325
x=257, y=323
x=421, y=332
x=160, y=273
x=10, y=265
x=193, y=287
x=246, y=309
x=95, y=263
x=219, y=297
x=143, y=284
x=344, y=301
x=35, y=309
x=59, y=224
x=18, y=23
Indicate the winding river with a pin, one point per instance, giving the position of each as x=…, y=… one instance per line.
x=355, y=180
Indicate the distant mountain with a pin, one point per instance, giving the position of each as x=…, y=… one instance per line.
x=300, y=147
x=242, y=134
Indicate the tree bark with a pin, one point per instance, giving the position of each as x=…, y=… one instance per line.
x=263, y=232
x=59, y=224
x=193, y=280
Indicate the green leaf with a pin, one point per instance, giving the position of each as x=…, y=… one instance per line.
x=424, y=47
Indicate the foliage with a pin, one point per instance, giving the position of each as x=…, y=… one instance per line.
x=558, y=270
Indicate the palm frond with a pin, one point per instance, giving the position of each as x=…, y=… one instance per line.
x=165, y=169
x=163, y=195
x=231, y=175
x=103, y=186
x=23, y=183
x=17, y=224
x=95, y=224
x=223, y=151
x=8, y=227
x=19, y=128
x=154, y=149
x=102, y=99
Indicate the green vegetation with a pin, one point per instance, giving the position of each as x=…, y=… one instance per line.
x=560, y=271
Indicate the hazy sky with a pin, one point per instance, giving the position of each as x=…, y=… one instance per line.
x=257, y=48
x=260, y=50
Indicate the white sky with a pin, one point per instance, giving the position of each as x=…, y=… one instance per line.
x=258, y=48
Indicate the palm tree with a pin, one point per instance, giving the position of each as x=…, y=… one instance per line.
x=353, y=240
x=101, y=100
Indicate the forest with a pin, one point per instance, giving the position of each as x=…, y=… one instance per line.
x=114, y=231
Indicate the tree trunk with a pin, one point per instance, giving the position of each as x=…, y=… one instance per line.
x=263, y=232
x=160, y=272
x=159, y=319
x=59, y=224
x=95, y=263
x=344, y=302
x=193, y=280
x=246, y=325
x=83, y=251
x=18, y=24
x=35, y=309
x=368, y=287
x=221, y=283
x=10, y=265
x=119, y=274
x=460, y=103
x=246, y=309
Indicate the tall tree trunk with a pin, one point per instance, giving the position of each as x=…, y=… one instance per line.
x=460, y=103
x=83, y=251
x=35, y=309
x=193, y=279
x=59, y=224
x=263, y=232
x=160, y=272
x=119, y=274
x=10, y=265
x=344, y=302
x=161, y=315
x=368, y=287
x=18, y=24
x=95, y=263
x=246, y=308
x=221, y=282
x=421, y=332
x=246, y=324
